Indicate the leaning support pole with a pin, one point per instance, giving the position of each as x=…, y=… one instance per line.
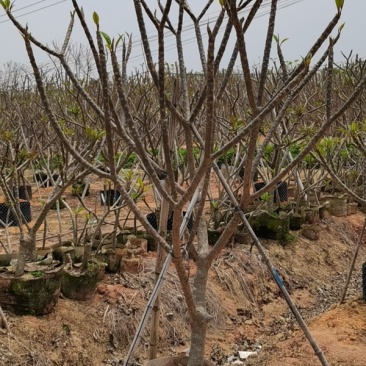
x=353, y=262
x=285, y=293
x=158, y=285
x=273, y=271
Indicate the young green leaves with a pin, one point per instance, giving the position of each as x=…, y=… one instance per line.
x=107, y=39
x=96, y=18
x=6, y=4
x=339, y=4
x=277, y=39
x=111, y=43
x=307, y=60
x=93, y=134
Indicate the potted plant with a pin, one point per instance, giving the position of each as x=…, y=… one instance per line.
x=31, y=285
x=80, y=280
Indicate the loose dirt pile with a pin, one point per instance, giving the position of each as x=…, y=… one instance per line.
x=249, y=311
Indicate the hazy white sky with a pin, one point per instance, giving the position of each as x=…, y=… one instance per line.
x=299, y=20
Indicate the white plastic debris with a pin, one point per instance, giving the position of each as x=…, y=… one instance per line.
x=243, y=355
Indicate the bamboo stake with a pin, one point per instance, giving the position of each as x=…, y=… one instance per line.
x=318, y=352
x=164, y=213
x=353, y=262
x=154, y=328
x=158, y=285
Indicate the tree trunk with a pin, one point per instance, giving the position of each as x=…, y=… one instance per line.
x=27, y=253
x=86, y=256
x=200, y=318
x=198, y=342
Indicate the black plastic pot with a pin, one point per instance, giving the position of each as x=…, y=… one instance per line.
x=281, y=192
x=109, y=197
x=7, y=216
x=258, y=186
x=255, y=176
x=213, y=236
x=25, y=192
x=61, y=205
x=44, y=180
x=151, y=217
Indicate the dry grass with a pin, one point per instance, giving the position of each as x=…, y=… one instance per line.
x=122, y=320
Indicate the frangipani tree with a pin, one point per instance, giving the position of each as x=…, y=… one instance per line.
x=24, y=138
x=197, y=113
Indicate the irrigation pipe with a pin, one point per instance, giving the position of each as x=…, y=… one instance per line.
x=159, y=284
x=353, y=262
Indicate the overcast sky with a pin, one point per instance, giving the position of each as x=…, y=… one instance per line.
x=299, y=20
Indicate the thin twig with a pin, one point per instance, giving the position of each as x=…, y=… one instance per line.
x=4, y=322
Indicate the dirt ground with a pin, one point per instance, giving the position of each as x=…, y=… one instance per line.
x=249, y=312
